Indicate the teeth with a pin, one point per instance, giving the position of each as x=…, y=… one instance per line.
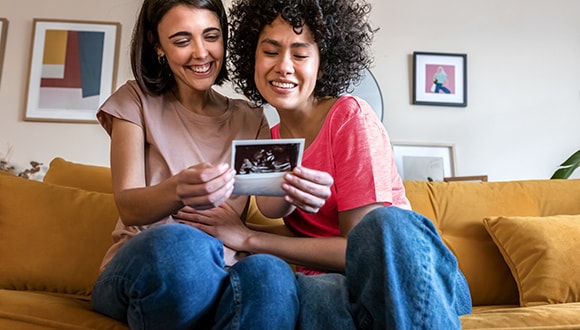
x=282, y=85
x=201, y=69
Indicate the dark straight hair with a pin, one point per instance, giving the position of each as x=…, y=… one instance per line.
x=152, y=75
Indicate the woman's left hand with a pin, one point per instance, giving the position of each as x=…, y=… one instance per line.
x=307, y=189
x=221, y=222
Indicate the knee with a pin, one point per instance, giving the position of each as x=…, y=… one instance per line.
x=391, y=220
x=266, y=273
x=172, y=247
x=178, y=238
x=375, y=222
x=265, y=267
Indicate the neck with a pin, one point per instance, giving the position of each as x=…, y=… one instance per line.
x=305, y=124
x=207, y=103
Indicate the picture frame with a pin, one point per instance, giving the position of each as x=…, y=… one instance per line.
x=451, y=87
x=3, y=35
x=470, y=178
x=72, y=71
x=424, y=162
x=261, y=164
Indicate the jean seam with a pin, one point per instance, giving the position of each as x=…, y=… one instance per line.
x=424, y=299
x=237, y=297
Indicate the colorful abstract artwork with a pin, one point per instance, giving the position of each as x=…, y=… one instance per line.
x=72, y=69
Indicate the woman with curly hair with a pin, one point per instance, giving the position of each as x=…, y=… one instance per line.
x=365, y=260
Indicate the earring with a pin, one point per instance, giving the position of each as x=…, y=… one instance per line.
x=161, y=59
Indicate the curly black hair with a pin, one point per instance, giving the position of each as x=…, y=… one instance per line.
x=339, y=27
x=151, y=75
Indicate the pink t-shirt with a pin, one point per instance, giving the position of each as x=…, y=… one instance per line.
x=177, y=138
x=354, y=148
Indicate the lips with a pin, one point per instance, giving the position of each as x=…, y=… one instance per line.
x=201, y=68
x=285, y=85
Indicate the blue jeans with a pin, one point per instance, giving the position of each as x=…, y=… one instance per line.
x=173, y=277
x=440, y=87
x=399, y=275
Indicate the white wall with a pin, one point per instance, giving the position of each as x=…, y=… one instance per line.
x=523, y=112
x=42, y=141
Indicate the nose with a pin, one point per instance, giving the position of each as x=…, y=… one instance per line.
x=285, y=65
x=198, y=49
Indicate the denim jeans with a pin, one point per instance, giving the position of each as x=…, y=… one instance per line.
x=173, y=277
x=399, y=275
x=440, y=87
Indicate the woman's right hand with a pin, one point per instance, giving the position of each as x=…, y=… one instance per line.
x=204, y=186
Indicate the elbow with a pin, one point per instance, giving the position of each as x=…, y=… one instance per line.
x=127, y=218
x=127, y=213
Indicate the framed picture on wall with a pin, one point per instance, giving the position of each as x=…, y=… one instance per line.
x=3, y=31
x=440, y=79
x=72, y=69
x=424, y=162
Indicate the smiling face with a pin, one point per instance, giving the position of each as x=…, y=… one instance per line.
x=191, y=40
x=286, y=66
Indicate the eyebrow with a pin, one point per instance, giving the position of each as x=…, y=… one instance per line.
x=293, y=45
x=185, y=33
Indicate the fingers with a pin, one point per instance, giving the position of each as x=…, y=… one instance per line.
x=319, y=177
x=308, y=189
x=205, y=186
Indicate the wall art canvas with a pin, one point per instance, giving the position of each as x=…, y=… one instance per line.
x=440, y=79
x=72, y=69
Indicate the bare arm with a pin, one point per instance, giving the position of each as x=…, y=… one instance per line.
x=319, y=253
x=200, y=186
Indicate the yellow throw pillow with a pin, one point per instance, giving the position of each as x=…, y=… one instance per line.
x=542, y=254
x=52, y=238
x=83, y=176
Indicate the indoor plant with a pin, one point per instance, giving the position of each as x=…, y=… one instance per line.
x=567, y=167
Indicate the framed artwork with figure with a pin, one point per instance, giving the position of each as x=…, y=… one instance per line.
x=3, y=31
x=440, y=79
x=72, y=69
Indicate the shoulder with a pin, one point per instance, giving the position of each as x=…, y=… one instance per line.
x=350, y=107
x=130, y=90
x=129, y=103
x=245, y=108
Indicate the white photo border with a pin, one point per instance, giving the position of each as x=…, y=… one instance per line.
x=70, y=112
x=262, y=184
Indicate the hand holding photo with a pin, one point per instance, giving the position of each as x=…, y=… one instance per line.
x=260, y=164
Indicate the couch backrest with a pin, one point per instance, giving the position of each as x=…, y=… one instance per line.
x=77, y=175
x=458, y=210
x=52, y=237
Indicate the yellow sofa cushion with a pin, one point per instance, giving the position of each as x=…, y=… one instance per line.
x=52, y=238
x=457, y=209
x=542, y=254
x=87, y=177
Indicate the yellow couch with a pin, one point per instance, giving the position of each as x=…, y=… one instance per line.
x=53, y=235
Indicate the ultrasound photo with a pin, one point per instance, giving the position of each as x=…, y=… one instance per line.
x=261, y=164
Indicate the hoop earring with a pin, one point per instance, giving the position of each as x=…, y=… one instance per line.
x=162, y=59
